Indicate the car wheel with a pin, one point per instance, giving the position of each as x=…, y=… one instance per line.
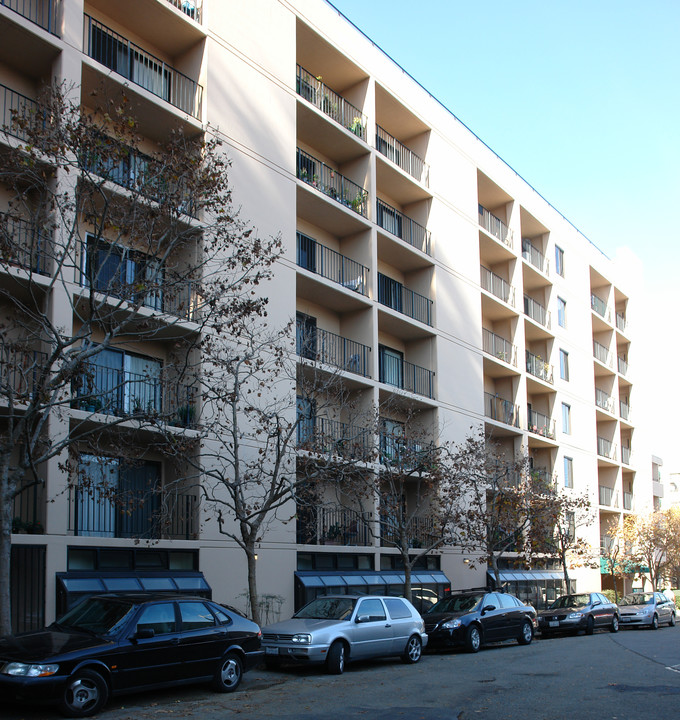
x=655, y=622
x=413, y=651
x=527, y=634
x=85, y=694
x=335, y=664
x=671, y=622
x=473, y=639
x=229, y=673
x=614, y=627
x=590, y=626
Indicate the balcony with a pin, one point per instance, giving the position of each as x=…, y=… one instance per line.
x=192, y=8
x=331, y=183
x=624, y=410
x=330, y=103
x=536, y=312
x=328, y=348
x=537, y=367
x=420, y=532
x=393, y=294
x=540, y=424
x=622, y=365
x=534, y=256
x=601, y=353
x=321, y=260
x=499, y=347
x=331, y=437
x=600, y=307
x=20, y=371
x=16, y=105
x=399, y=373
x=606, y=448
x=625, y=455
x=401, y=156
x=495, y=226
x=604, y=400
x=130, y=61
x=503, y=411
x=44, y=13
x=396, y=223
x=28, y=510
x=621, y=324
x=627, y=500
x=608, y=498
x=403, y=453
x=319, y=525
x=25, y=244
x=497, y=286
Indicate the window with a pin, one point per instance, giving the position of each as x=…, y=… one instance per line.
x=568, y=472
x=390, y=292
x=564, y=365
x=562, y=312
x=391, y=366
x=306, y=252
x=559, y=260
x=372, y=608
x=566, y=419
x=389, y=219
x=305, y=336
x=159, y=618
x=195, y=616
x=397, y=608
x=306, y=419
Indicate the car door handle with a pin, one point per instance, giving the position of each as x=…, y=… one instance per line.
x=387, y=625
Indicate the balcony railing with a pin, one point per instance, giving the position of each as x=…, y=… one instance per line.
x=501, y=410
x=622, y=365
x=319, y=259
x=333, y=437
x=405, y=375
x=330, y=182
x=396, y=223
x=420, y=531
x=402, y=156
x=333, y=526
x=534, y=310
x=604, y=400
x=25, y=244
x=600, y=306
x=28, y=510
x=118, y=392
x=394, y=295
x=621, y=322
x=497, y=286
x=499, y=347
x=606, y=448
x=192, y=8
x=20, y=370
x=627, y=500
x=16, y=106
x=117, y=53
x=331, y=349
x=601, y=353
x=405, y=453
x=625, y=455
x=608, y=497
x=533, y=255
x=495, y=226
x=330, y=103
x=624, y=410
x=538, y=367
x=541, y=424
x=41, y=12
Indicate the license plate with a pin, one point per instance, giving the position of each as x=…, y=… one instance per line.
x=553, y=623
x=271, y=651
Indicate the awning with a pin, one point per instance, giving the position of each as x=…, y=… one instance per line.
x=528, y=575
x=369, y=578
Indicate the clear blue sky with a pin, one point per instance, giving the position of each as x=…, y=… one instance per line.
x=582, y=99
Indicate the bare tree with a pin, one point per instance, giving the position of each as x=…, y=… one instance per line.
x=105, y=247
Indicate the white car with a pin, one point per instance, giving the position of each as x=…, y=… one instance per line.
x=336, y=629
x=646, y=608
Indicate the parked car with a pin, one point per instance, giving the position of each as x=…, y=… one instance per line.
x=580, y=611
x=472, y=618
x=648, y=609
x=111, y=644
x=336, y=629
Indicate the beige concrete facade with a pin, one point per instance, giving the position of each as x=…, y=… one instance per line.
x=507, y=316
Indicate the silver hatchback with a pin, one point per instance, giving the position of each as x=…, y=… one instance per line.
x=335, y=629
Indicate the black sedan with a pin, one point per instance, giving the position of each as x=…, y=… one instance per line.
x=579, y=611
x=111, y=644
x=471, y=618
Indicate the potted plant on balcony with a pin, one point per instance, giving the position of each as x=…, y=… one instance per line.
x=333, y=535
x=357, y=127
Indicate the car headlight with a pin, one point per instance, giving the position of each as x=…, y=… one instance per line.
x=575, y=616
x=26, y=670
x=451, y=624
x=302, y=638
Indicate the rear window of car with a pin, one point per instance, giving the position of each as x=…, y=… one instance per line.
x=397, y=608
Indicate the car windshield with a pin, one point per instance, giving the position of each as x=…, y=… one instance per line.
x=456, y=603
x=638, y=599
x=101, y=616
x=328, y=608
x=571, y=601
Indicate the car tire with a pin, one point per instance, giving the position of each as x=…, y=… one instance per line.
x=335, y=663
x=655, y=622
x=85, y=694
x=473, y=639
x=614, y=627
x=671, y=622
x=526, y=634
x=590, y=625
x=228, y=674
x=413, y=650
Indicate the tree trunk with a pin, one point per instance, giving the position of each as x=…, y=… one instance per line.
x=252, y=583
x=7, y=504
x=566, y=573
x=407, y=579
x=496, y=573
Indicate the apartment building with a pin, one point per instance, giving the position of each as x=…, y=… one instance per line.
x=436, y=282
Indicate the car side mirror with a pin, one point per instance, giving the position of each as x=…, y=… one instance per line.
x=488, y=608
x=144, y=634
x=596, y=603
x=362, y=618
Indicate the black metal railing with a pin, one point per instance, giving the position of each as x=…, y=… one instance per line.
x=536, y=311
x=533, y=255
x=20, y=371
x=496, y=285
x=394, y=295
x=495, y=226
x=330, y=182
x=538, y=367
x=319, y=525
x=319, y=259
x=192, y=8
x=497, y=408
x=133, y=63
x=420, y=531
x=600, y=306
x=499, y=347
x=402, y=452
x=16, y=106
x=332, y=349
x=399, y=373
x=28, y=510
x=540, y=424
x=333, y=437
x=44, y=13
x=24, y=244
x=330, y=103
x=402, y=156
x=396, y=223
